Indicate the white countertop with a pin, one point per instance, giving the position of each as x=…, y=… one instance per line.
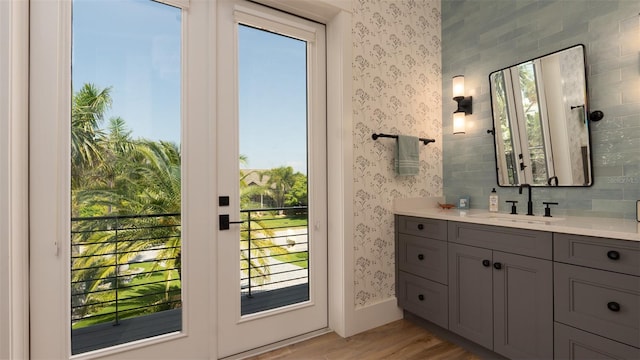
x=600, y=227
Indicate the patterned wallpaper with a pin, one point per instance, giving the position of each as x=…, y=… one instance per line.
x=396, y=90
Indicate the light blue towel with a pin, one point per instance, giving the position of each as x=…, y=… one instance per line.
x=407, y=155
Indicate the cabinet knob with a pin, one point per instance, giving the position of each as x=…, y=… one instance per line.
x=613, y=306
x=486, y=263
x=420, y=257
x=420, y=227
x=421, y=297
x=613, y=255
x=497, y=265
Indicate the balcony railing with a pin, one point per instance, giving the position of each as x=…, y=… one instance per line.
x=274, y=255
x=129, y=266
x=123, y=266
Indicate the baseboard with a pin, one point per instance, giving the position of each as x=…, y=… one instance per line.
x=374, y=315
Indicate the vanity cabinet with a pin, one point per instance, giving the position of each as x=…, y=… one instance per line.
x=597, y=297
x=522, y=293
x=500, y=295
x=421, y=268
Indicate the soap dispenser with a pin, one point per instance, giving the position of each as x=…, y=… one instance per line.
x=493, y=201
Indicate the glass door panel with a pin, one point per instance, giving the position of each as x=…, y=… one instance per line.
x=273, y=177
x=125, y=172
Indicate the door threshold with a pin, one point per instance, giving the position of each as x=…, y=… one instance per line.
x=278, y=345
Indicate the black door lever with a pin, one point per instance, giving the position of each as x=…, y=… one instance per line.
x=224, y=222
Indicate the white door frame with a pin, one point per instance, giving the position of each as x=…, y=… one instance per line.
x=14, y=226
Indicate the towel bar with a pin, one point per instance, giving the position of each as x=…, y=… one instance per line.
x=381, y=135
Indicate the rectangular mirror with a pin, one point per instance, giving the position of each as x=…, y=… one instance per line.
x=540, y=121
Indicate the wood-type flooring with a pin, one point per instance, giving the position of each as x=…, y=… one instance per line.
x=401, y=340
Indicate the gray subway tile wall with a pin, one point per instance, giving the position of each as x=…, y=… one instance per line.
x=481, y=36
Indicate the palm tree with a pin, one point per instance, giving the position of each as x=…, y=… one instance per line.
x=279, y=182
x=89, y=105
x=143, y=177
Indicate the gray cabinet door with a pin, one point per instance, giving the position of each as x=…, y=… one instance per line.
x=522, y=306
x=470, y=294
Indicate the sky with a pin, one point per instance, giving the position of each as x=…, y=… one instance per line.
x=272, y=102
x=133, y=46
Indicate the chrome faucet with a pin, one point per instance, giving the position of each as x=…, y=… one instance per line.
x=529, y=203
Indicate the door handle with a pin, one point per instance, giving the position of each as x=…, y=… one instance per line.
x=224, y=222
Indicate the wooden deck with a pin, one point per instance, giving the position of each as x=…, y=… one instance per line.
x=267, y=300
x=104, y=335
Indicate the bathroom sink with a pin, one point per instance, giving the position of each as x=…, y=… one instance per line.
x=515, y=218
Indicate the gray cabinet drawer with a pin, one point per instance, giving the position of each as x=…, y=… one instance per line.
x=615, y=255
x=517, y=241
x=423, y=257
x=431, y=228
x=425, y=298
x=574, y=344
x=586, y=298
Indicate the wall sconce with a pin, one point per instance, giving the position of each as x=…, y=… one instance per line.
x=465, y=105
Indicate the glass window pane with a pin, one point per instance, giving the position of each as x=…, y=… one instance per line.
x=125, y=170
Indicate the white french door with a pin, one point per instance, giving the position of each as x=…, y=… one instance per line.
x=142, y=268
x=272, y=267
x=121, y=240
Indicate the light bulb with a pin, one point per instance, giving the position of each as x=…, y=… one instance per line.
x=458, y=86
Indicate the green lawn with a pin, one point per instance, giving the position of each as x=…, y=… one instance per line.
x=299, y=259
x=283, y=222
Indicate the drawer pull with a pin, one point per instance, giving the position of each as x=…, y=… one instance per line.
x=497, y=265
x=420, y=257
x=486, y=263
x=613, y=306
x=613, y=255
x=421, y=297
x=420, y=227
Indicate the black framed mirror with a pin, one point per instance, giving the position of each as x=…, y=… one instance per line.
x=541, y=121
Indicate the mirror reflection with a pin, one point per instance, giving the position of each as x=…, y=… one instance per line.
x=540, y=121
